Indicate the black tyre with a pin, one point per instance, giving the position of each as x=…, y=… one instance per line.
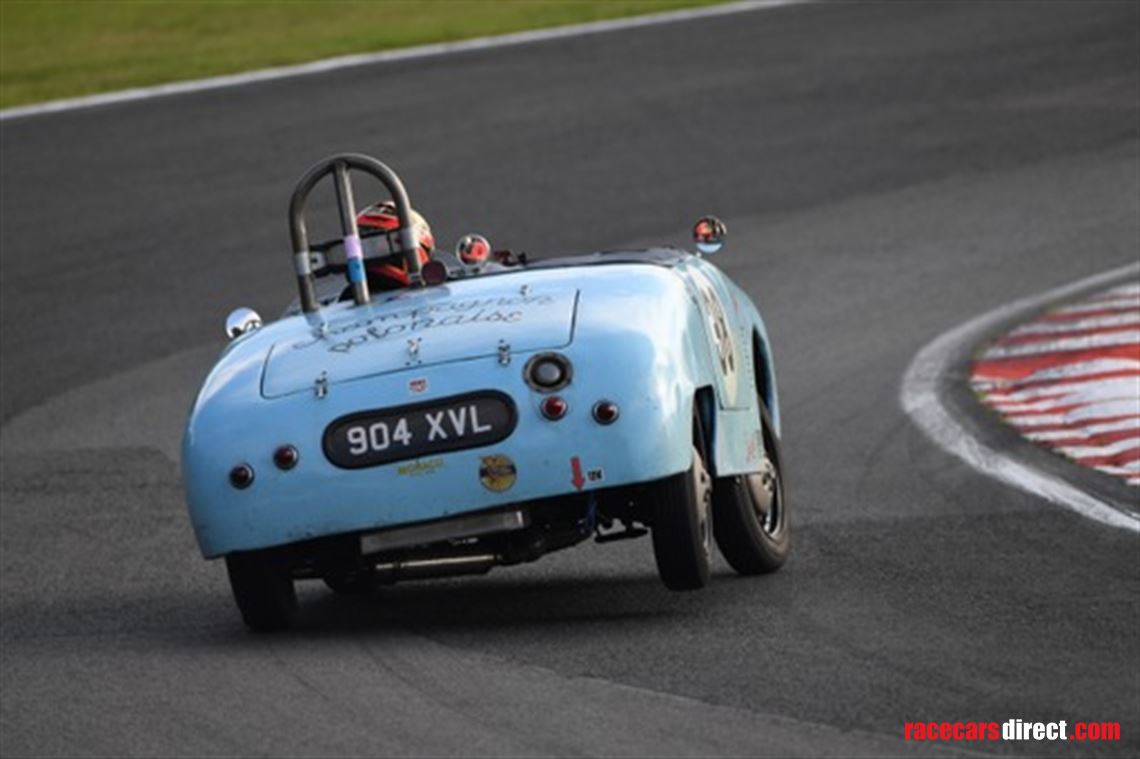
x=682, y=529
x=750, y=513
x=263, y=589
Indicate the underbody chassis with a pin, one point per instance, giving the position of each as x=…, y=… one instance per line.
x=471, y=543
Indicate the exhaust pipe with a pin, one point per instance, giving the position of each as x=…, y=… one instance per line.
x=422, y=569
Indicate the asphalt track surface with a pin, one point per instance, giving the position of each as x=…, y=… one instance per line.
x=887, y=171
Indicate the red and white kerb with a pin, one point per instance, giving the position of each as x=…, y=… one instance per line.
x=1070, y=381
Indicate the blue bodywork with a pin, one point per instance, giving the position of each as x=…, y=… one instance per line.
x=654, y=333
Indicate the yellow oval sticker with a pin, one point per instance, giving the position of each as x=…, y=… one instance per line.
x=497, y=473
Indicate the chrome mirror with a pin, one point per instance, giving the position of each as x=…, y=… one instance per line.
x=473, y=251
x=709, y=233
x=240, y=321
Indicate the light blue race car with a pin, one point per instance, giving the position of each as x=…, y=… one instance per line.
x=493, y=410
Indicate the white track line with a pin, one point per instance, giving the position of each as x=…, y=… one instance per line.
x=401, y=54
x=920, y=399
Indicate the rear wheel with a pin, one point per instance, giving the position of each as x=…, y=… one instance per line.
x=262, y=585
x=682, y=526
x=751, y=513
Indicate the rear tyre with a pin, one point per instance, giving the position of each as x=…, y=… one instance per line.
x=682, y=526
x=750, y=512
x=263, y=588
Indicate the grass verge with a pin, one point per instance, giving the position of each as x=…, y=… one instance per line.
x=52, y=49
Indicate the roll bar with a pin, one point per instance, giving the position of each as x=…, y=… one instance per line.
x=339, y=165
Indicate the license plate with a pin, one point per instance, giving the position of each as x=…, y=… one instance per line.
x=383, y=436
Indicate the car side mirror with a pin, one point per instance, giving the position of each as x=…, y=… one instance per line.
x=240, y=321
x=709, y=233
x=473, y=251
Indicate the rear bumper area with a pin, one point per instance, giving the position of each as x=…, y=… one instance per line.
x=468, y=544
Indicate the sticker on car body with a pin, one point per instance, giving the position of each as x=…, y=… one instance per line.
x=497, y=473
x=721, y=339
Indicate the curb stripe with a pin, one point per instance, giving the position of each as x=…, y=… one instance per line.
x=1068, y=344
x=1004, y=370
x=1111, y=320
x=1092, y=430
x=1052, y=391
x=920, y=398
x=1093, y=420
x=1032, y=338
x=1104, y=304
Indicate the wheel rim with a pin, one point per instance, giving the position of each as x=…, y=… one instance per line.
x=703, y=483
x=764, y=492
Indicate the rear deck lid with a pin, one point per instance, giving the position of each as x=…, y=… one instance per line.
x=421, y=328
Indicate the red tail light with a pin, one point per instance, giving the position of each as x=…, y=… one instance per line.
x=286, y=457
x=241, y=476
x=554, y=408
x=605, y=412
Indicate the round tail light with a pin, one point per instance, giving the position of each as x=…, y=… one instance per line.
x=241, y=476
x=605, y=412
x=554, y=408
x=286, y=457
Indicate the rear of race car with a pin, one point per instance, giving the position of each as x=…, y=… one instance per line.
x=447, y=430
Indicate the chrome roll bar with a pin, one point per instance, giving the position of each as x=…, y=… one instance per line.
x=339, y=165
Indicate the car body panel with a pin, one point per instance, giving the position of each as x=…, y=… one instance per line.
x=464, y=321
x=640, y=333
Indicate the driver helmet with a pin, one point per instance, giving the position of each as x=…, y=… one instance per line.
x=387, y=268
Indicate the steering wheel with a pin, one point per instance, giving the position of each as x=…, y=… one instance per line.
x=309, y=264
